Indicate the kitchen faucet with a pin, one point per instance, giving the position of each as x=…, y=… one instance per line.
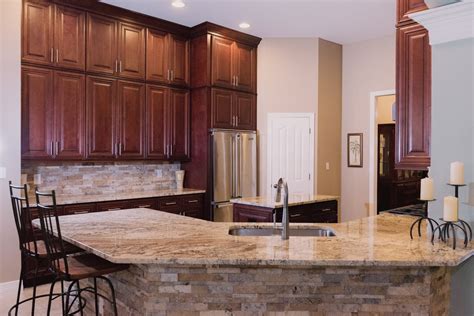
x=285, y=219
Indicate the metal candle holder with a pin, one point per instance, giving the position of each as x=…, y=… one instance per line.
x=423, y=217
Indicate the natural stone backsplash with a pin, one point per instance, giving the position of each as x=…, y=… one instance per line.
x=76, y=178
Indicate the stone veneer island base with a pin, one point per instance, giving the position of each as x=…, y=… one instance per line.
x=185, y=266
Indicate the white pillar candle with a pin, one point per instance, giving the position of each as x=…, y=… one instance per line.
x=456, y=175
x=427, y=189
x=450, y=210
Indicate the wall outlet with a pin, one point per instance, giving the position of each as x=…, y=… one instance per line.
x=159, y=173
x=37, y=179
x=327, y=165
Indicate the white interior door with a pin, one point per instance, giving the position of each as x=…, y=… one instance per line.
x=290, y=151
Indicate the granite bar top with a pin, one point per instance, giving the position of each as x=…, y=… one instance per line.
x=92, y=198
x=145, y=236
x=294, y=199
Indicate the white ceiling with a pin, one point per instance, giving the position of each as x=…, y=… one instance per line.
x=341, y=21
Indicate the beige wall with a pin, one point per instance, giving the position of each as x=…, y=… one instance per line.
x=329, y=117
x=368, y=66
x=287, y=82
x=383, y=114
x=10, y=14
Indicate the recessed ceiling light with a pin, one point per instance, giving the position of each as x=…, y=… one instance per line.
x=244, y=25
x=178, y=4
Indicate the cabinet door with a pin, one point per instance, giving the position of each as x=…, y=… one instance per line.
x=222, y=59
x=157, y=68
x=131, y=51
x=69, y=113
x=37, y=33
x=413, y=126
x=101, y=117
x=405, y=7
x=245, y=111
x=131, y=113
x=69, y=38
x=36, y=113
x=180, y=124
x=222, y=115
x=101, y=44
x=179, y=60
x=156, y=122
x=245, y=67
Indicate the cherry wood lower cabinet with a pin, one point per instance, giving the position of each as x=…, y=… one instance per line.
x=318, y=212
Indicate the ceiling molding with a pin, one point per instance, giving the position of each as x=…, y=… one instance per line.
x=448, y=23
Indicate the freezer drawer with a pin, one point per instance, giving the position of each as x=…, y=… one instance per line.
x=223, y=212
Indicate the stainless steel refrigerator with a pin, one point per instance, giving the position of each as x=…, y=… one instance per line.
x=234, y=168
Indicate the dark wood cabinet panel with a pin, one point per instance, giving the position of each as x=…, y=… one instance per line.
x=179, y=60
x=250, y=214
x=245, y=67
x=112, y=206
x=245, y=111
x=179, y=111
x=69, y=38
x=101, y=44
x=37, y=33
x=101, y=117
x=222, y=62
x=131, y=51
x=143, y=203
x=405, y=7
x=413, y=127
x=77, y=209
x=222, y=113
x=37, y=113
x=157, y=122
x=69, y=113
x=131, y=119
x=157, y=68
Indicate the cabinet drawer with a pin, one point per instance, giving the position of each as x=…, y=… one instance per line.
x=192, y=200
x=192, y=213
x=113, y=206
x=169, y=204
x=143, y=203
x=79, y=209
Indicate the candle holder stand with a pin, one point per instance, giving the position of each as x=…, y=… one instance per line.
x=456, y=188
x=444, y=232
x=422, y=218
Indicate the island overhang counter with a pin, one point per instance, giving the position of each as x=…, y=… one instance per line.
x=185, y=265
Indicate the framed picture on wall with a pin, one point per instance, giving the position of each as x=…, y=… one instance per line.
x=355, y=150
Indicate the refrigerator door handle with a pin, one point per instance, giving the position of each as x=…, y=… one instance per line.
x=239, y=165
x=234, y=166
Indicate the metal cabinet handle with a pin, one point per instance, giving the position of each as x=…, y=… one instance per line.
x=81, y=212
x=116, y=65
x=57, y=55
x=120, y=66
x=57, y=148
x=51, y=57
x=326, y=210
x=144, y=206
x=193, y=201
x=120, y=149
x=171, y=150
x=114, y=209
x=172, y=74
x=183, y=213
x=52, y=148
x=295, y=215
x=236, y=81
x=170, y=203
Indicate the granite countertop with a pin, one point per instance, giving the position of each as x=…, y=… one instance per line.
x=294, y=199
x=144, y=236
x=91, y=198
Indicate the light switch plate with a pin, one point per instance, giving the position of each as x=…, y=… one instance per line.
x=327, y=165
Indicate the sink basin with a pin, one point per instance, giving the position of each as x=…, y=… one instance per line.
x=270, y=231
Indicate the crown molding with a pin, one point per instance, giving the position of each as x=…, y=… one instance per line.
x=448, y=23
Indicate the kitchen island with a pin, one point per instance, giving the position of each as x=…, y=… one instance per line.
x=183, y=265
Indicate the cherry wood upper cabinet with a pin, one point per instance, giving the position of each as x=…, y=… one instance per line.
x=157, y=68
x=179, y=60
x=101, y=44
x=405, y=7
x=245, y=111
x=37, y=37
x=222, y=114
x=131, y=122
x=131, y=51
x=180, y=124
x=37, y=113
x=413, y=126
x=69, y=38
x=222, y=73
x=69, y=115
x=101, y=117
x=157, y=122
x=245, y=67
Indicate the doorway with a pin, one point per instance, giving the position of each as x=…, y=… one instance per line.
x=290, y=151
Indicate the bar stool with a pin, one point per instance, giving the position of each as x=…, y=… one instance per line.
x=72, y=268
x=30, y=245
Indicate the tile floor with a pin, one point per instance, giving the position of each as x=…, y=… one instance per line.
x=8, y=298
